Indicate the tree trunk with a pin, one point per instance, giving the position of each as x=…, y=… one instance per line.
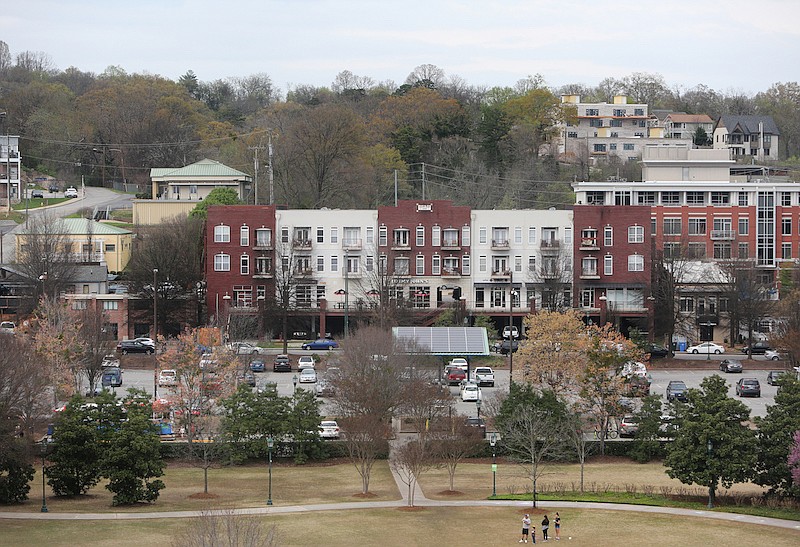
x=205, y=478
x=533, y=495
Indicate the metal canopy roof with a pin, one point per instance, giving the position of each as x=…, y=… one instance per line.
x=444, y=340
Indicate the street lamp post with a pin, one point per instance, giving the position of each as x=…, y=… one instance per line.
x=155, y=329
x=709, y=451
x=708, y=346
x=493, y=443
x=270, y=444
x=478, y=404
x=43, y=451
x=294, y=383
x=510, y=329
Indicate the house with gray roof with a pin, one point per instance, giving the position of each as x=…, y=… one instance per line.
x=195, y=181
x=747, y=137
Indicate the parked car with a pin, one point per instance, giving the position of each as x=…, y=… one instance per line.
x=246, y=348
x=730, y=365
x=628, y=426
x=37, y=194
x=132, y=346
x=483, y=376
x=167, y=377
x=53, y=188
x=304, y=362
x=71, y=192
x=325, y=388
x=480, y=423
x=677, y=390
x=454, y=376
x=208, y=363
x=657, y=350
x=109, y=361
x=8, y=327
x=321, y=343
x=329, y=429
x=459, y=362
x=774, y=376
x=748, y=387
x=505, y=344
x=146, y=341
x=706, y=347
x=772, y=355
x=112, y=377
x=470, y=392
x=258, y=365
x=759, y=348
x=510, y=331
x=282, y=363
x=248, y=378
x=308, y=376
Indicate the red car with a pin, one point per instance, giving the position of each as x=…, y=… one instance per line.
x=454, y=376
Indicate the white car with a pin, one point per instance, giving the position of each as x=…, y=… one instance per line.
x=483, y=376
x=109, y=361
x=307, y=376
x=459, y=362
x=7, y=327
x=71, y=192
x=772, y=355
x=246, y=348
x=706, y=347
x=304, y=362
x=167, y=377
x=510, y=331
x=329, y=429
x=146, y=341
x=470, y=392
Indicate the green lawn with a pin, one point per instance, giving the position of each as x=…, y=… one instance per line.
x=429, y=526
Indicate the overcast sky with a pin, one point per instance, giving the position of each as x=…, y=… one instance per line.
x=743, y=45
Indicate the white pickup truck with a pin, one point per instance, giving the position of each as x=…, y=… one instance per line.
x=483, y=376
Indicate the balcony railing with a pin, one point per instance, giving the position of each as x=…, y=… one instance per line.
x=726, y=235
x=450, y=245
x=301, y=243
x=501, y=274
x=589, y=244
x=302, y=272
x=399, y=245
x=500, y=244
x=263, y=245
x=451, y=272
x=263, y=274
x=589, y=273
x=93, y=256
x=353, y=244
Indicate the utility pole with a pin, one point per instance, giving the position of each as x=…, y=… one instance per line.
x=269, y=170
x=255, y=170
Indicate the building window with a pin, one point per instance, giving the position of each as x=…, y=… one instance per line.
x=482, y=264
x=420, y=265
x=613, y=146
x=786, y=251
x=79, y=304
x=499, y=264
x=608, y=265
x=222, y=263
x=722, y=251
x=111, y=304
x=786, y=226
x=465, y=265
x=370, y=235
x=263, y=237
x=244, y=236
x=352, y=264
x=720, y=198
x=383, y=236
x=589, y=237
x=532, y=264
x=567, y=234
x=285, y=234
x=518, y=264
x=244, y=265
x=627, y=146
x=744, y=251
x=695, y=198
x=450, y=238
x=697, y=226
x=482, y=235
x=111, y=248
x=696, y=250
x=531, y=235
x=587, y=298
x=436, y=236
x=786, y=199
x=599, y=147
x=743, y=199
x=687, y=304
x=334, y=235
x=635, y=263
x=646, y=198
x=465, y=236
x=263, y=265
x=499, y=237
x=334, y=263
x=222, y=234
x=369, y=263
x=589, y=266
x=622, y=197
x=479, y=297
x=400, y=238
x=670, y=198
x=421, y=297
x=320, y=263
x=595, y=198
x=744, y=226
x=608, y=236
x=193, y=189
x=635, y=234
x=320, y=234
x=451, y=265
x=672, y=226
x=420, y=242
x=518, y=235
x=653, y=222
x=436, y=265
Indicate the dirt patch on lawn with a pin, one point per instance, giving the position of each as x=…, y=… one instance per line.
x=413, y=509
x=450, y=493
x=368, y=495
x=203, y=496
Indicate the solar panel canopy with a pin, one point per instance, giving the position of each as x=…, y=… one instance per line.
x=443, y=340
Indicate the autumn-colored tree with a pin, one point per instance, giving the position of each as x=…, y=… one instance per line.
x=554, y=353
x=57, y=341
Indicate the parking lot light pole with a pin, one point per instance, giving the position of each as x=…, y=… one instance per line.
x=43, y=450
x=294, y=383
x=270, y=444
x=493, y=443
x=155, y=331
x=478, y=404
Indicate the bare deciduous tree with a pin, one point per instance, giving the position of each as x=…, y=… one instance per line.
x=223, y=528
x=46, y=255
x=410, y=461
x=454, y=442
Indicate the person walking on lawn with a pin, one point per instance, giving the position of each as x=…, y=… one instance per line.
x=545, y=526
x=526, y=525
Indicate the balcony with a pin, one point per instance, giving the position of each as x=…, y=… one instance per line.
x=399, y=245
x=263, y=245
x=550, y=246
x=353, y=274
x=589, y=244
x=301, y=272
x=351, y=244
x=723, y=235
x=95, y=256
x=450, y=245
x=301, y=243
x=451, y=272
x=590, y=273
x=264, y=274
x=501, y=275
x=500, y=244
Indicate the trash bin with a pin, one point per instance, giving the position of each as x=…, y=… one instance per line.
x=681, y=346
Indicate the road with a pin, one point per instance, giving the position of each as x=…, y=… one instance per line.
x=95, y=198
